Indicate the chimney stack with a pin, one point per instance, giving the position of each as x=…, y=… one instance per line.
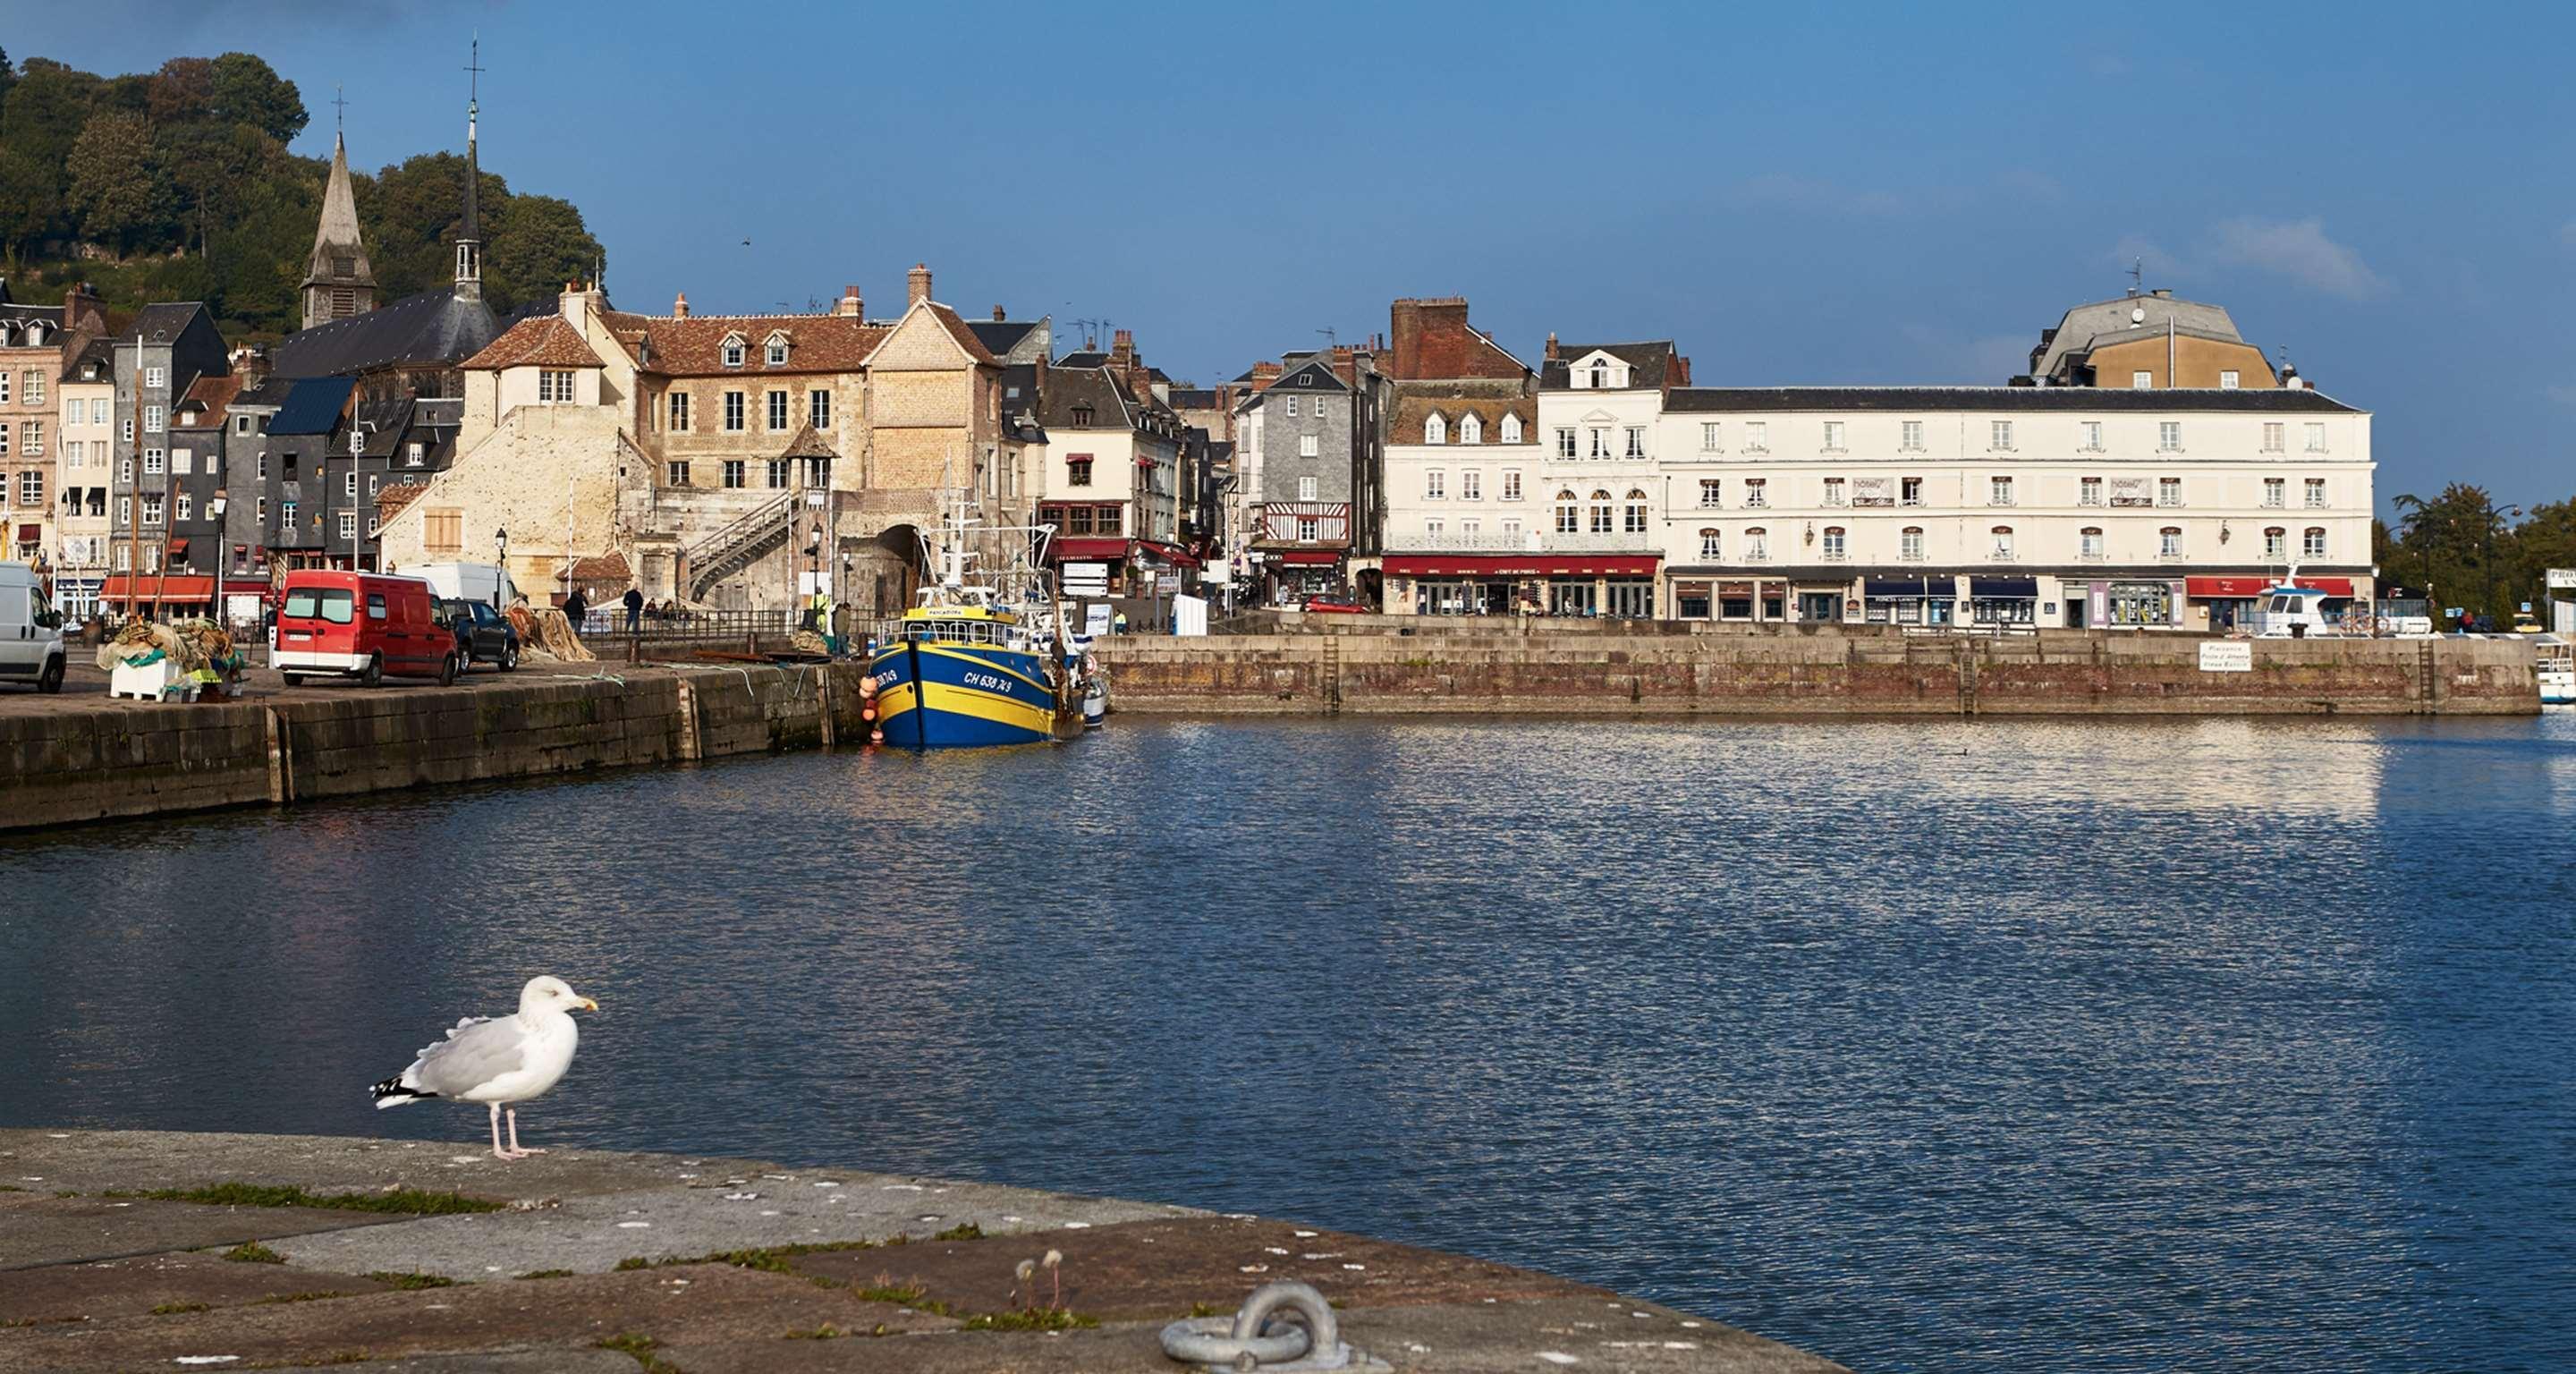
x=917, y=285
x=997, y=314
x=1552, y=354
x=82, y=310
x=1122, y=348
x=1263, y=374
x=851, y=304
x=680, y=306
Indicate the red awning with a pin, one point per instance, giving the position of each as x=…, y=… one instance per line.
x=2256, y=586
x=1173, y=554
x=1523, y=565
x=1088, y=550
x=29, y=534
x=1307, y=558
x=178, y=548
x=176, y=589
x=242, y=586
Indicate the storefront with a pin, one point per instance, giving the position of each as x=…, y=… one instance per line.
x=2003, y=601
x=2141, y=604
x=1090, y=567
x=1295, y=574
x=1909, y=600
x=173, y=596
x=76, y=597
x=2229, y=602
x=1620, y=586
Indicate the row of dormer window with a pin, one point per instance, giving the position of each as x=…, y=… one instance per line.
x=1470, y=429
x=1754, y=436
x=1869, y=492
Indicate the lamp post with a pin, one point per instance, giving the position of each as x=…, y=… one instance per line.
x=814, y=560
x=501, y=553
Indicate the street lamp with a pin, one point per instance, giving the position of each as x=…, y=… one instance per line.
x=501, y=555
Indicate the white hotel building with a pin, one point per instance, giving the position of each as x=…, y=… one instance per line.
x=2071, y=506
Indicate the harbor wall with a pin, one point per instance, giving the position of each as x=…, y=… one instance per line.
x=1810, y=671
x=123, y=759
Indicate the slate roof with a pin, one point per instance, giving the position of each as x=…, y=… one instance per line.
x=1647, y=363
x=1071, y=388
x=2005, y=398
x=161, y=323
x=1001, y=336
x=98, y=353
x=1084, y=357
x=2095, y=323
x=313, y=406
x=694, y=346
x=270, y=392
x=432, y=327
x=546, y=341
x=1193, y=398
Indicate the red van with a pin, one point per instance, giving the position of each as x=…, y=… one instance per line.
x=360, y=625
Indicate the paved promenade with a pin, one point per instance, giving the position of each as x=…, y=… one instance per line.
x=440, y=1258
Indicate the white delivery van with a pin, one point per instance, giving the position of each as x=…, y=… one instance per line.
x=31, y=631
x=488, y=583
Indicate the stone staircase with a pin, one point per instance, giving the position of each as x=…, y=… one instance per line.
x=739, y=544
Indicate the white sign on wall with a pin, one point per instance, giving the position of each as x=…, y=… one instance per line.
x=2226, y=656
x=2562, y=579
x=1096, y=619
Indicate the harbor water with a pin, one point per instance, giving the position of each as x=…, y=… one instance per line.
x=2209, y=1044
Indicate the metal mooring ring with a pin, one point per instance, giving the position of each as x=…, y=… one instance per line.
x=1251, y=1337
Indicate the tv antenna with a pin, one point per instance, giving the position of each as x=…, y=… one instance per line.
x=1331, y=339
x=2137, y=275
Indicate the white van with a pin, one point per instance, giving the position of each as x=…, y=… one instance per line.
x=31, y=631
x=488, y=583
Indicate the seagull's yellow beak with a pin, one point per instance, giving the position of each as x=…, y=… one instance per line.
x=590, y=1004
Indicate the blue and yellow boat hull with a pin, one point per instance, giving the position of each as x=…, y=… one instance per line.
x=933, y=695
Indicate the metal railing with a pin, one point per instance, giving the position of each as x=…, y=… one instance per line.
x=608, y=623
x=713, y=556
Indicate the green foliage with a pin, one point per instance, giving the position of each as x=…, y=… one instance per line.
x=182, y=179
x=404, y=1201
x=2474, y=553
x=962, y=1231
x=640, y=1347
x=557, y=1273
x=252, y=1252
x=172, y=1309
x=1031, y=1319
x=393, y=1279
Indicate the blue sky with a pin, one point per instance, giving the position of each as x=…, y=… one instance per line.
x=1851, y=194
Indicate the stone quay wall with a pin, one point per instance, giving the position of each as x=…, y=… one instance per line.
x=1807, y=672
x=119, y=759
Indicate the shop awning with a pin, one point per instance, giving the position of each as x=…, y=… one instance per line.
x=2223, y=587
x=2003, y=586
x=1309, y=558
x=29, y=534
x=1919, y=587
x=1088, y=550
x=1522, y=565
x=178, y=548
x=176, y=589
x=1173, y=554
x=243, y=586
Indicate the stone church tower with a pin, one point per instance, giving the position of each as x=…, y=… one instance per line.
x=338, y=282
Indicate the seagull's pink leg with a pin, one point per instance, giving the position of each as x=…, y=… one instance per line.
x=497, y=1151
x=513, y=1114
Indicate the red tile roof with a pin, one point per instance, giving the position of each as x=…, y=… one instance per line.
x=391, y=500
x=547, y=341
x=965, y=337
x=213, y=393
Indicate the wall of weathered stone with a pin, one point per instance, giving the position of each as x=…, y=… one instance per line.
x=1607, y=674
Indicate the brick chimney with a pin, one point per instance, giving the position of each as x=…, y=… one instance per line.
x=250, y=364
x=997, y=314
x=1552, y=354
x=83, y=311
x=1263, y=374
x=917, y=285
x=1430, y=338
x=680, y=306
x=851, y=304
x=1122, y=349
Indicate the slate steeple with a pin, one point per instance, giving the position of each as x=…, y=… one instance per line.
x=338, y=281
x=469, y=237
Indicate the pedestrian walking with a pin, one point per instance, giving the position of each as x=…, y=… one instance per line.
x=634, y=610
x=575, y=607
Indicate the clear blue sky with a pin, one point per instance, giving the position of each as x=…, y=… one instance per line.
x=1865, y=194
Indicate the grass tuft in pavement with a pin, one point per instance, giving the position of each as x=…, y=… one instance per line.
x=300, y=1297
x=399, y=1201
x=641, y=1348
x=172, y=1309
x=1034, y=1319
x=391, y=1279
x=551, y=1273
x=962, y=1231
x=252, y=1252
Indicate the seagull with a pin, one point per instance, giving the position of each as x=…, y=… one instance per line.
x=498, y=1060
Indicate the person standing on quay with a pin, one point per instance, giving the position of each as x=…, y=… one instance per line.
x=634, y=609
x=575, y=607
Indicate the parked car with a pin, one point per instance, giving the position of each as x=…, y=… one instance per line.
x=31, y=631
x=483, y=635
x=1336, y=605
x=360, y=625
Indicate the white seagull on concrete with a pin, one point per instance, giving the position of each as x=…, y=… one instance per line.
x=498, y=1060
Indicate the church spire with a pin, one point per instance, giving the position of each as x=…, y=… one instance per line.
x=469, y=238
x=338, y=281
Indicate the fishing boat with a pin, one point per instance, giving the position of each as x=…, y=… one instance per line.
x=975, y=664
x=2557, y=670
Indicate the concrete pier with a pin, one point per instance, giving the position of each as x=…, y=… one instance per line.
x=126, y=1249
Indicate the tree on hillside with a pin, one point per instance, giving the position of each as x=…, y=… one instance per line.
x=537, y=244
x=8, y=75
x=183, y=91
x=249, y=91
x=39, y=122
x=113, y=186
x=209, y=166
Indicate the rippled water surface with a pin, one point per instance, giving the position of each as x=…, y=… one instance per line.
x=2215, y=1045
